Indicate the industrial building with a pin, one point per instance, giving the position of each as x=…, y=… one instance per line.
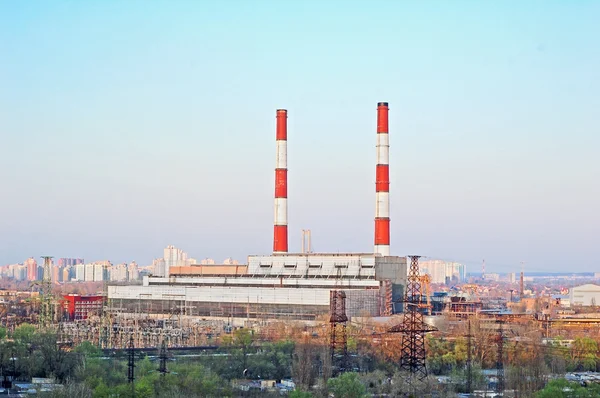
x=78, y=307
x=284, y=285
x=587, y=295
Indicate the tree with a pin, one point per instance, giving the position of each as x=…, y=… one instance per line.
x=24, y=333
x=562, y=388
x=300, y=394
x=377, y=382
x=304, y=370
x=347, y=385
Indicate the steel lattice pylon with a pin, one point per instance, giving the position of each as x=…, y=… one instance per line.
x=131, y=360
x=338, y=342
x=413, y=328
x=47, y=299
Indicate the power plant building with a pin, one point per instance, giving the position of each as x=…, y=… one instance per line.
x=284, y=285
x=294, y=286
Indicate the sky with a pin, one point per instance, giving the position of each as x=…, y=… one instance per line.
x=127, y=126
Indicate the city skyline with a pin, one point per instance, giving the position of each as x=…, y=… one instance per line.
x=134, y=138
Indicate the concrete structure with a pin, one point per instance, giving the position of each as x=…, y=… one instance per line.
x=586, y=295
x=280, y=229
x=382, y=183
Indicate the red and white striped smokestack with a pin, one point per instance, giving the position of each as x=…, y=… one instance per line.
x=382, y=183
x=280, y=233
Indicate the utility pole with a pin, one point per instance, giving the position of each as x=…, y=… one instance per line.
x=469, y=358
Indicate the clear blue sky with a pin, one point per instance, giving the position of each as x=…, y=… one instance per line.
x=129, y=125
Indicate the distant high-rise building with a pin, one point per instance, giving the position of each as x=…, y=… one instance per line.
x=118, y=272
x=69, y=262
x=442, y=271
x=14, y=271
x=158, y=267
x=133, y=272
x=56, y=274
x=80, y=272
x=174, y=257
x=32, y=269
x=512, y=277
x=89, y=272
x=66, y=274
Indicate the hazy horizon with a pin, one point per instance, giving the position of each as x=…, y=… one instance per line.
x=128, y=126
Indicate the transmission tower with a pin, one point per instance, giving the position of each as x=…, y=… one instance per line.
x=500, y=358
x=106, y=319
x=46, y=298
x=413, y=328
x=131, y=361
x=162, y=368
x=338, y=342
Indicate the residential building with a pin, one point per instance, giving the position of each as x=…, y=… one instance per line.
x=133, y=271
x=442, y=271
x=32, y=269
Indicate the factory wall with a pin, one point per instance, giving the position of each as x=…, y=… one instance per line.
x=209, y=270
x=265, y=281
x=223, y=294
x=208, y=300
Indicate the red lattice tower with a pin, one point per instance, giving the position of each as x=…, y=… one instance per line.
x=413, y=328
x=338, y=339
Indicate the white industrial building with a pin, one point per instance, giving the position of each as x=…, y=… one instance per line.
x=586, y=295
x=277, y=286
